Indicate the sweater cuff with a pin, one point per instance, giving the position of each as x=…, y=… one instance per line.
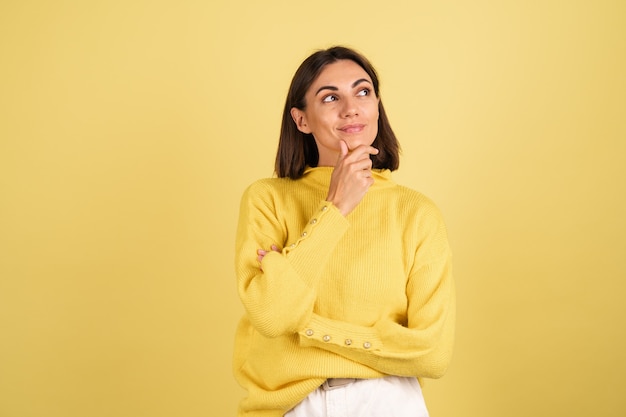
x=312, y=248
x=322, y=332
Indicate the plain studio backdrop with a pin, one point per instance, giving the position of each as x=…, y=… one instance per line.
x=129, y=129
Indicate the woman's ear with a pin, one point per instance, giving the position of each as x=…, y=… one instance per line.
x=299, y=117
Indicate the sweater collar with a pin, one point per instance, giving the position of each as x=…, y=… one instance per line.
x=321, y=176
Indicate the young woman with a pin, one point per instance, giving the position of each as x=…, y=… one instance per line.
x=345, y=275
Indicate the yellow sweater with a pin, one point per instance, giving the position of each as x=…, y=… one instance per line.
x=362, y=296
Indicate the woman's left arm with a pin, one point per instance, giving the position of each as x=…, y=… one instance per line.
x=423, y=347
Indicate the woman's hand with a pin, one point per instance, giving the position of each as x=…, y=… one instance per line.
x=261, y=253
x=351, y=178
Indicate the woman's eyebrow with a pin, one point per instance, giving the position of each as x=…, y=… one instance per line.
x=333, y=88
x=359, y=81
x=326, y=87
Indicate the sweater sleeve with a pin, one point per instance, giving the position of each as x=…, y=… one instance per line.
x=423, y=347
x=279, y=294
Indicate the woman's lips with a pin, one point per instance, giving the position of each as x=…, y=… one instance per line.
x=356, y=128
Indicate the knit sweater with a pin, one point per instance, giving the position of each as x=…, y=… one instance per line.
x=361, y=296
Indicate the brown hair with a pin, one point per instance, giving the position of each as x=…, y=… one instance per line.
x=296, y=149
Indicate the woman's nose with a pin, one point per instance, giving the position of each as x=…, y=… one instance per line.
x=350, y=107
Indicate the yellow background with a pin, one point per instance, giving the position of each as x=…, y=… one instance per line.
x=129, y=129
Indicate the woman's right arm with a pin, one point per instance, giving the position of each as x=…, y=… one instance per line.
x=279, y=293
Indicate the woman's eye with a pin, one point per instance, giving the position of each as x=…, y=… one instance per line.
x=364, y=92
x=329, y=99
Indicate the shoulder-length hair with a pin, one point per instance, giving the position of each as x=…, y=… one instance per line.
x=296, y=149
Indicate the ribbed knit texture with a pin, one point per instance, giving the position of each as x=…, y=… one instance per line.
x=362, y=296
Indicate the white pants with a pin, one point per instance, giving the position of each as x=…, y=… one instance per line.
x=391, y=396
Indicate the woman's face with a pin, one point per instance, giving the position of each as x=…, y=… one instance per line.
x=340, y=105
